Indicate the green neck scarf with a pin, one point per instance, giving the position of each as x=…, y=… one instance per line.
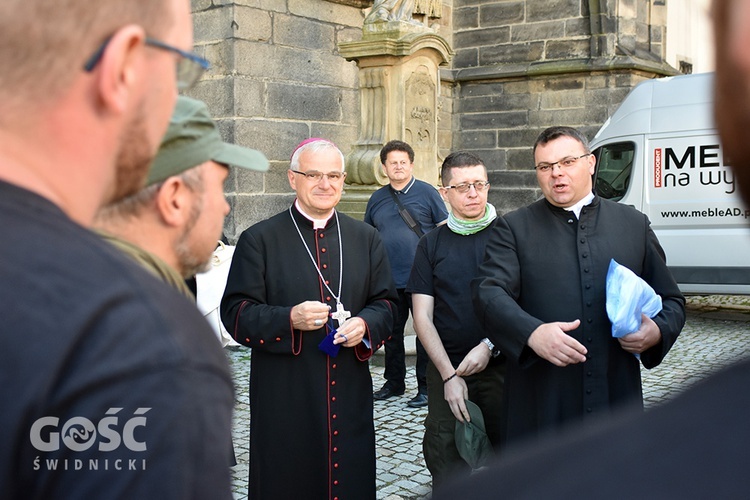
x=466, y=227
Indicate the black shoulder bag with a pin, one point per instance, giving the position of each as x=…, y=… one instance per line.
x=405, y=214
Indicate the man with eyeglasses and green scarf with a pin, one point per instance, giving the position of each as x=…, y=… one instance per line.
x=464, y=363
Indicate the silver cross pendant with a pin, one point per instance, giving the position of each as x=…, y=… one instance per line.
x=341, y=314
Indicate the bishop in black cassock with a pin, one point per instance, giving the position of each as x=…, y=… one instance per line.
x=312, y=433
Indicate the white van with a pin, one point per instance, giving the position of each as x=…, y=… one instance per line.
x=661, y=153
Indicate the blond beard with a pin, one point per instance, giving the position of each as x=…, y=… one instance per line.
x=133, y=158
x=189, y=262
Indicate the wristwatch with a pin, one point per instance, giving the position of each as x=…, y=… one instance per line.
x=494, y=352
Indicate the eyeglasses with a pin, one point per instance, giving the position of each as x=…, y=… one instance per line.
x=190, y=66
x=566, y=162
x=316, y=176
x=479, y=186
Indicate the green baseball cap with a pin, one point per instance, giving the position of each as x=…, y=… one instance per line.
x=471, y=438
x=192, y=139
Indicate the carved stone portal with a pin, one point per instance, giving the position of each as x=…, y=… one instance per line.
x=420, y=122
x=399, y=90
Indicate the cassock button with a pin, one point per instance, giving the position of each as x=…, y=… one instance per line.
x=323, y=250
x=336, y=483
x=570, y=221
x=335, y=449
x=328, y=299
x=588, y=286
x=262, y=341
x=589, y=320
x=328, y=282
x=583, y=226
x=333, y=398
x=588, y=391
x=325, y=266
x=336, y=465
x=333, y=366
x=589, y=410
x=333, y=382
x=278, y=339
x=585, y=255
x=335, y=433
x=333, y=416
x=583, y=240
x=320, y=235
x=247, y=339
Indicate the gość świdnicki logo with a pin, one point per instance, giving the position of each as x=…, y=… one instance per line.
x=80, y=434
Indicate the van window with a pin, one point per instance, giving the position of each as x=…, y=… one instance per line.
x=614, y=163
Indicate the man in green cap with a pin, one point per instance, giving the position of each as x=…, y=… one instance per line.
x=172, y=225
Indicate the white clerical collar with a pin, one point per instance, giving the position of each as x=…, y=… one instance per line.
x=317, y=223
x=408, y=186
x=576, y=209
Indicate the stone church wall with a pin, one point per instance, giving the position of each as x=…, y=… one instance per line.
x=522, y=66
x=519, y=66
x=276, y=79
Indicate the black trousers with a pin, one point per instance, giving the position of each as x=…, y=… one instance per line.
x=395, y=354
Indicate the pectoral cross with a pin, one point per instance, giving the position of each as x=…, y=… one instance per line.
x=341, y=314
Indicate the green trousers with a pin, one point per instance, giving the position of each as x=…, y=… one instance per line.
x=439, y=444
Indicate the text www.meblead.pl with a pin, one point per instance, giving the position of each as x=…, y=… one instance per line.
x=709, y=212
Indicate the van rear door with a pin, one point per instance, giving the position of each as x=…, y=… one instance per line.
x=692, y=202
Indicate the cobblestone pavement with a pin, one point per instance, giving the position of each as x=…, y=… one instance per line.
x=716, y=333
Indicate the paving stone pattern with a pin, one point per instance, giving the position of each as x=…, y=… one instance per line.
x=716, y=333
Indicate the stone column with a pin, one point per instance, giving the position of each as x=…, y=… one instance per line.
x=399, y=88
